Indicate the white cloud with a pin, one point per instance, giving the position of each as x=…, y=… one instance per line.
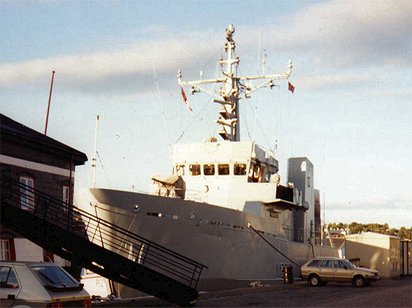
x=345, y=33
x=335, y=80
x=340, y=34
x=136, y=61
x=376, y=203
x=396, y=211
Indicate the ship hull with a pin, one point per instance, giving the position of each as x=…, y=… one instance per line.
x=214, y=236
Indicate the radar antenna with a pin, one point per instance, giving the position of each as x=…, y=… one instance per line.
x=231, y=88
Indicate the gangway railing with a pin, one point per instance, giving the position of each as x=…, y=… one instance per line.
x=97, y=244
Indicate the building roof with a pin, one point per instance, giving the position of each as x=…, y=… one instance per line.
x=23, y=134
x=371, y=235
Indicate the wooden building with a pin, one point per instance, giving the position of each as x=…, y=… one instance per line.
x=39, y=162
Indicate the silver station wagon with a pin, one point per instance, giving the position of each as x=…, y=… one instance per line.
x=27, y=284
x=322, y=270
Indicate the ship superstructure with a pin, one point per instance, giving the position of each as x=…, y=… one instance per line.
x=229, y=173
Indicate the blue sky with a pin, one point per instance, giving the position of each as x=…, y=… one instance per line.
x=350, y=114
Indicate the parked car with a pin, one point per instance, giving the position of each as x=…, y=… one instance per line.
x=322, y=270
x=41, y=285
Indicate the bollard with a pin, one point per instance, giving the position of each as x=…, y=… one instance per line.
x=287, y=271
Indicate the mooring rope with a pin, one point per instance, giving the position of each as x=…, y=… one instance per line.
x=250, y=227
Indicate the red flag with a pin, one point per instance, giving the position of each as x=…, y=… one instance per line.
x=185, y=98
x=291, y=87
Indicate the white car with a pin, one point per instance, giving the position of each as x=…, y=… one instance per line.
x=28, y=284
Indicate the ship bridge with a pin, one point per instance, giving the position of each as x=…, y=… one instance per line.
x=226, y=173
x=240, y=159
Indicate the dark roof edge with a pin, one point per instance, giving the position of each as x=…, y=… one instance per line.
x=11, y=127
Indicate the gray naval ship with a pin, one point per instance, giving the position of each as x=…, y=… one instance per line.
x=223, y=206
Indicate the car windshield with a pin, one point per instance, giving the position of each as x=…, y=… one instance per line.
x=54, y=276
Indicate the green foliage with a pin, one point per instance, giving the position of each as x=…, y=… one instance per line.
x=354, y=227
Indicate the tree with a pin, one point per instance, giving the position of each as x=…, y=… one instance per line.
x=354, y=227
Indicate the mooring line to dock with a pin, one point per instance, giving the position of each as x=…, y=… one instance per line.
x=257, y=232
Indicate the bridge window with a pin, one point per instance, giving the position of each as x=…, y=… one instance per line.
x=257, y=173
x=223, y=169
x=194, y=169
x=180, y=170
x=26, y=193
x=209, y=169
x=240, y=169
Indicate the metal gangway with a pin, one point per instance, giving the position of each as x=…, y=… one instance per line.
x=98, y=245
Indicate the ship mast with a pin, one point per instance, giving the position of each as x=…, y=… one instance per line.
x=232, y=86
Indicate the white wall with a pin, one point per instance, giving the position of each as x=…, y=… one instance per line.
x=28, y=251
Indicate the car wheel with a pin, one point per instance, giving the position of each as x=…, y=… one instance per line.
x=314, y=280
x=358, y=281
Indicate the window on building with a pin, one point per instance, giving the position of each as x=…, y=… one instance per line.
x=26, y=193
x=5, y=249
x=209, y=169
x=223, y=169
x=240, y=169
x=194, y=169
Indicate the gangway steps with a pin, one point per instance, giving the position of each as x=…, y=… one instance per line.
x=154, y=269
